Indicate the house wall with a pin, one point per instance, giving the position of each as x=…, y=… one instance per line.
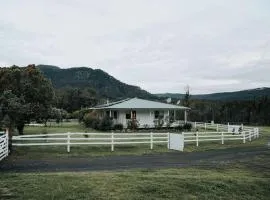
x=144, y=117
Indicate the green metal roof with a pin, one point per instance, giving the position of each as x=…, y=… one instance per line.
x=136, y=103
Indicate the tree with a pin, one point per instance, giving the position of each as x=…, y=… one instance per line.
x=186, y=101
x=58, y=114
x=25, y=95
x=72, y=99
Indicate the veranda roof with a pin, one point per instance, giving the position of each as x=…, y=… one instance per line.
x=136, y=103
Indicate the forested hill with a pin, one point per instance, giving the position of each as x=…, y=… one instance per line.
x=84, y=77
x=225, y=96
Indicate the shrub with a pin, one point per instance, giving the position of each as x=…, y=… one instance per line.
x=105, y=124
x=179, y=128
x=81, y=114
x=118, y=127
x=133, y=124
x=91, y=120
x=159, y=123
x=167, y=122
x=145, y=126
x=187, y=126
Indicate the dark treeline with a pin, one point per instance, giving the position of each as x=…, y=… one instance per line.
x=72, y=99
x=256, y=111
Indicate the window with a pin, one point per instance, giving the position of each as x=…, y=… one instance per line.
x=156, y=114
x=133, y=114
x=159, y=114
x=115, y=114
x=128, y=116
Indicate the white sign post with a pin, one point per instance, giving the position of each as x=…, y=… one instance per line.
x=176, y=141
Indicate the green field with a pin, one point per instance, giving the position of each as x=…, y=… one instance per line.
x=249, y=179
x=56, y=128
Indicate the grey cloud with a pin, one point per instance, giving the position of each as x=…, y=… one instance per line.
x=158, y=45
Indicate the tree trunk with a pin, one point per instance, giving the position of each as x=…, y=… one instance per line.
x=20, y=128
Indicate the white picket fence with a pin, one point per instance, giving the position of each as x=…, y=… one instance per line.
x=72, y=139
x=197, y=137
x=221, y=127
x=3, y=146
x=113, y=139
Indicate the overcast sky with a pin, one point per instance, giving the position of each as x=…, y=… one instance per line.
x=159, y=45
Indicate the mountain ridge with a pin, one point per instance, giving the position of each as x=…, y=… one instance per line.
x=109, y=87
x=82, y=77
x=248, y=94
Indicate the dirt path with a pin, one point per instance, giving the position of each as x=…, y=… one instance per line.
x=164, y=160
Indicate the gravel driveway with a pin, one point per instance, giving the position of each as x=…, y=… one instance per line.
x=163, y=160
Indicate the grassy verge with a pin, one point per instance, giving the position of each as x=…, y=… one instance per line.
x=57, y=128
x=52, y=152
x=242, y=180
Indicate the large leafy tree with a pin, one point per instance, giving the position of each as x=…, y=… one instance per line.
x=25, y=94
x=72, y=99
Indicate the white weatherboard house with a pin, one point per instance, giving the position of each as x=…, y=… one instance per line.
x=144, y=111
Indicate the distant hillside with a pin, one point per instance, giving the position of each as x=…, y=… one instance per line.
x=82, y=77
x=225, y=96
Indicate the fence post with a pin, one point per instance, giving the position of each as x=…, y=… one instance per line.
x=242, y=127
x=168, y=135
x=257, y=131
x=222, y=138
x=112, y=142
x=244, y=137
x=68, y=142
x=228, y=126
x=217, y=127
x=7, y=137
x=197, y=139
x=195, y=124
x=151, y=140
x=7, y=148
x=205, y=126
x=250, y=135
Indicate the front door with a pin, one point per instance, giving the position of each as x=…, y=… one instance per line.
x=133, y=114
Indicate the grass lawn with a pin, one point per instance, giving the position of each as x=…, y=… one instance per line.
x=37, y=152
x=57, y=128
x=249, y=179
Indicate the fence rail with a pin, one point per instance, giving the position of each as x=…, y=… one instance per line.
x=72, y=139
x=112, y=139
x=220, y=136
x=3, y=146
x=219, y=132
x=222, y=127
